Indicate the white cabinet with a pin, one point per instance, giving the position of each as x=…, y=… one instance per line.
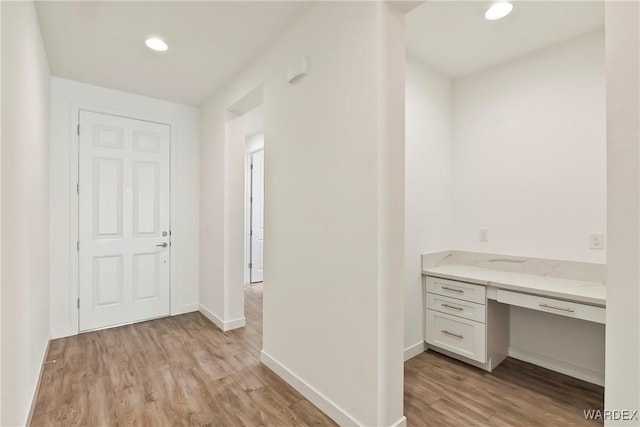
x=467, y=308
x=456, y=317
x=552, y=305
x=455, y=289
x=460, y=322
x=461, y=336
x=455, y=307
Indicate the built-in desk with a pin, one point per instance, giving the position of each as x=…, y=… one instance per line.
x=467, y=313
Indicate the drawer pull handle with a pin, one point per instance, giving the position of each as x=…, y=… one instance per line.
x=444, y=331
x=568, y=310
x=453, y=307
x=446, y=288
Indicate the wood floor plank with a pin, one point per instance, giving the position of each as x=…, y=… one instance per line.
x=514, y=394
x=306, y=413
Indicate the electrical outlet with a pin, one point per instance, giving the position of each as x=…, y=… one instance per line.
x=596, y=240
x=484, y=235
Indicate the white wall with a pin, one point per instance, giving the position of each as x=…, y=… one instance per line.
x=254, y=142
x=428, y=185
x=332, y=315
x=25, y=209
x=212, y=176
x=234, y=239
x=0, y=212
x=622, y=388
x=529, y=165
x=529, y=154
x=254, y=121
x=66, y=97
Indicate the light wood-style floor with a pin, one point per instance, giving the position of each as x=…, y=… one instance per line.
x=177, y=371
x=183, y=370
x=440, y=391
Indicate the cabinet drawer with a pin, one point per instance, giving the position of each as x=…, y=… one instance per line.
x=455, y=289
x=468, y=310
x=552, y=305
x=461, y=336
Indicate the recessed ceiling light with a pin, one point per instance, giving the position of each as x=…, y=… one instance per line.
x=498, y=11
x=156, y=44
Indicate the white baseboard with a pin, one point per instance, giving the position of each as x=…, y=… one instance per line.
x=241, y=322
x=211, y=316
x=414, y=350
x=402, y=422
x=223, y=325
x=187, y=308
x=183, y=309
x=62, y=333
x=563, y=367
x=34, y=399
x=332, y=410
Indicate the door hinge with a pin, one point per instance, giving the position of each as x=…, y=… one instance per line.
x=78, y=302
x=250, y=232
x=78, y=129
x=78, y=245
x=250, y=199
x=251, y=166
x=250, y=265
x=78, y=188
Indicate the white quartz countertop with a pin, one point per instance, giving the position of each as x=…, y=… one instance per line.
x=554, y=287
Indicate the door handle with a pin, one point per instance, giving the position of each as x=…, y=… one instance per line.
x=164, y=245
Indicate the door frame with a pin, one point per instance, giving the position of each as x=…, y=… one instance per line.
x=74, y=197
x=248, y=217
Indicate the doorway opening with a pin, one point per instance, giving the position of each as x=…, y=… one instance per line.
x=254, y=200
x=246, y=140
x=255, y=162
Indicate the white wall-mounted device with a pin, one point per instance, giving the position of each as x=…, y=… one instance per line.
x=297, y=69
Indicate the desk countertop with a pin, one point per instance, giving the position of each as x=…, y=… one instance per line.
x=572, y=290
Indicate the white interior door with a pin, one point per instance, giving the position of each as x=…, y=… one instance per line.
x=124, y=236
x=257, y=216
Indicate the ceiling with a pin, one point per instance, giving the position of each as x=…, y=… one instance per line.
x=455, y=39
x=102, y=43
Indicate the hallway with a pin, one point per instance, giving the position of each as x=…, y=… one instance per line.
x=178, y=370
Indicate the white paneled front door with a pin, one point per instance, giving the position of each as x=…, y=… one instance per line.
x=257, y=216
x=124, y=236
